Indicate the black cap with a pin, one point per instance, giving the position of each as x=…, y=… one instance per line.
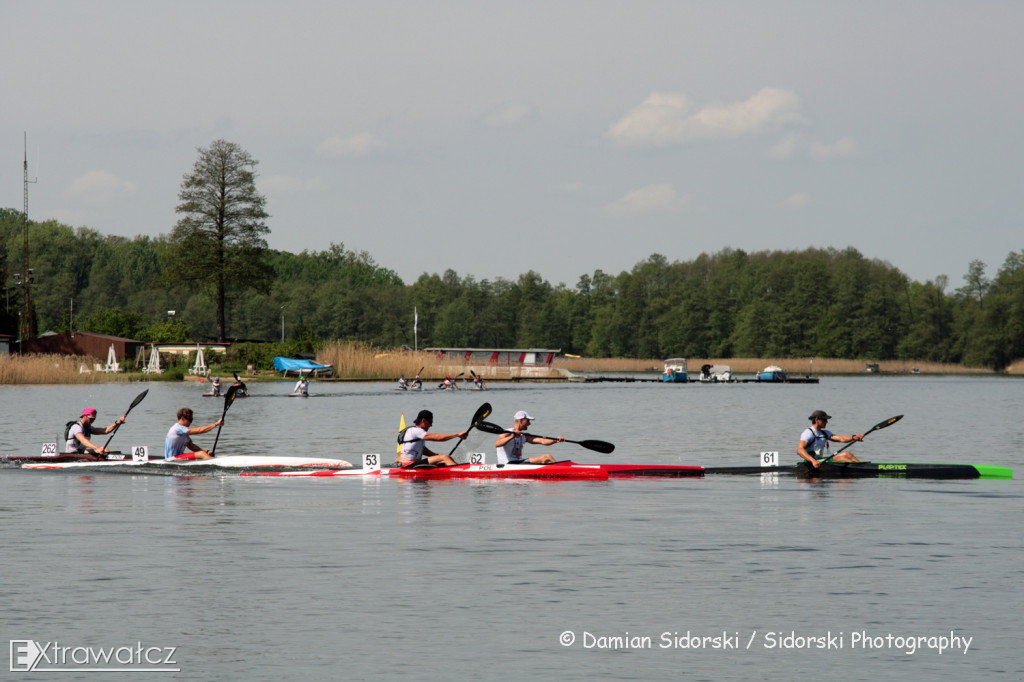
x=424, y=414
x=819, y=414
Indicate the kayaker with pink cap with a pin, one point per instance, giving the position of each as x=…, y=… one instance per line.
x=510, y=444
x=78, y=434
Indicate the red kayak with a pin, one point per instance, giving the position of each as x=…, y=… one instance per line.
x=560, y=470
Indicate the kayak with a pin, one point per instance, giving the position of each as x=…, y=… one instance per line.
x=560, y=470
x=615, y=470
x=665, y=470
x=873, y=469
x=320, y=473
x=119, y=457
x=227, y=462
x=371, y=467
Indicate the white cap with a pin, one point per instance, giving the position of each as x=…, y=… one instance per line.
x=521, y=414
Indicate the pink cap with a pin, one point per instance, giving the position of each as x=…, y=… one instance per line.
x=89, y=412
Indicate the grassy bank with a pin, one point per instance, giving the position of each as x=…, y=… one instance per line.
x=361, y=361
x=51, y=369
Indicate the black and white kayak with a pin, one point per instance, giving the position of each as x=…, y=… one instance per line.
x=140, y=457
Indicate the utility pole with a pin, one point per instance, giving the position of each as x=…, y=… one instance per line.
x=27, y=318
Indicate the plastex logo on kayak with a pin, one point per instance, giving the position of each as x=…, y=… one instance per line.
x=30, y=656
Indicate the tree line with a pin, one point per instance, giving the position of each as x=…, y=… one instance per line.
x=815, y=302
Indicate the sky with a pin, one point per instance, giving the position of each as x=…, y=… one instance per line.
x=494, y=138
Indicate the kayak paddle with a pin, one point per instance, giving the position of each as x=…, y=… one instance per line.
x=482, y=413
x=228, y=399
x=138, y=399
x=595, y=445
x=880, y=425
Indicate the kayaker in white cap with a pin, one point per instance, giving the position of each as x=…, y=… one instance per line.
x=813, y=445
x=510, y=444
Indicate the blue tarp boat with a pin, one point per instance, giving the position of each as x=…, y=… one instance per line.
x=295, y=367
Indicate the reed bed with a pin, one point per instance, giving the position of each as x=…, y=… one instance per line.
x=51, y=369
x=363, y=361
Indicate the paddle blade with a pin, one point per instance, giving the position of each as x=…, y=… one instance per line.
x=482, y=413
x=138, y=399
x=229, y=397
x=888, y=422
x=401, y=426
x=490, y=427
x=880, y=425
x=596, y=445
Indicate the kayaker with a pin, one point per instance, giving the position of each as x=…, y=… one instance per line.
x=402, y=384
x=479, y=381
x=215, y=387
x=417, y=382
x=413, y=440
x=79, y=433
x=179, y=437
x=813, y=445
x=302, y=386
x=240, y=389
x=510, y=444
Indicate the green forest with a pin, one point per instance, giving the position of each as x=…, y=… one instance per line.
x=816, y=302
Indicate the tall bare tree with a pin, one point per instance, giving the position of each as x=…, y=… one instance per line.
x=219, y=243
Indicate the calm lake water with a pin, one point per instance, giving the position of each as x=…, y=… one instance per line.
x=270, y=578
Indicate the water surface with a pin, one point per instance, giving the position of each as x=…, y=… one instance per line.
x=269, y=578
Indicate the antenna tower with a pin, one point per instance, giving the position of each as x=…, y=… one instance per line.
x=28, y=322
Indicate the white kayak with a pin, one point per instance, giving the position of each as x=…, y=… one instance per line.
x=371, y=467
x=227, y=462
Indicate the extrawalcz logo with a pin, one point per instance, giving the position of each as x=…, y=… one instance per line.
x=31, y=656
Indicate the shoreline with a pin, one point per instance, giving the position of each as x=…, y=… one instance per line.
x=65, y=370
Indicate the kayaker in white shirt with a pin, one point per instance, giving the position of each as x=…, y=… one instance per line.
x=82, y=430
x=814, y=440
x=179, y=437
x=510, y=444
x=413, y=440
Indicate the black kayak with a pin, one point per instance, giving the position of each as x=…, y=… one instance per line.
x=873, y=470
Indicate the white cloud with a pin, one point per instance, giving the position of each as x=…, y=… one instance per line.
x=652, y=199
x=508, y=115
x=844, y=148
x=796, y=201
x=354, y=147
x=665, y=119
x=100, y=187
